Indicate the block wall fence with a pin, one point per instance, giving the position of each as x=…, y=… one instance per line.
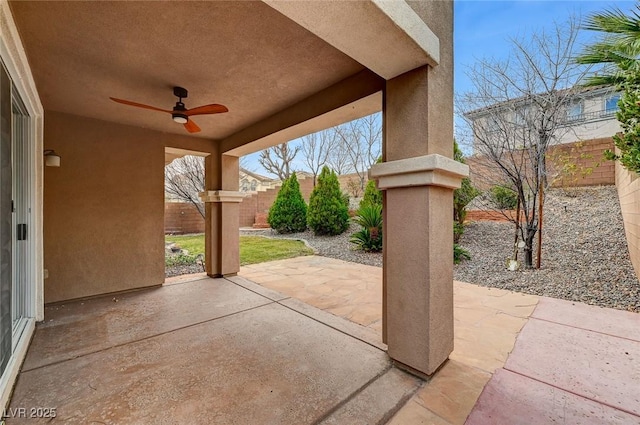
x=584, y=155
x=183, y=218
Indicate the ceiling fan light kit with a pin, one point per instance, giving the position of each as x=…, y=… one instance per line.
x=180, y=118
x=180, y=113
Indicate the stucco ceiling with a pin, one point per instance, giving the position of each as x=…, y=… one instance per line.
x=242, y=54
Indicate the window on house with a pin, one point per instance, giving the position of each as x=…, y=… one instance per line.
x=575, y=111
x=520, y=115
x=611, y=103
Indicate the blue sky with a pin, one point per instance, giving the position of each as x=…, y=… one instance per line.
x=482, y=29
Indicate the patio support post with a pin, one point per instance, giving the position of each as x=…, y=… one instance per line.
x=222, y=215
x=418, y=178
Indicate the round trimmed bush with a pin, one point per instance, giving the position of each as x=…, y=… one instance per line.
x=328, y=212
x=288, y=213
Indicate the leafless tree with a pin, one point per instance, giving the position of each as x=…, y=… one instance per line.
x=316, y=148
x=519, y=108
x=339, y=159
x=362, y=139
x=184, y=180
x=277, y=160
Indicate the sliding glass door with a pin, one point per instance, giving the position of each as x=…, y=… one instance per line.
x=19, y=288
x=6, y=220
x=14, y=217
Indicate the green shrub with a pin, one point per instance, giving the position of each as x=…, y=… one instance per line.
x=369, y=238
x=289, y=212
x=180, y=260
x=372, y=196
x=328, y=211
x=459, y=254
x=458, y=230
x=503, y=197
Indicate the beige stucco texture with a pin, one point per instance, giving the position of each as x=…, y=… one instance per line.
x=104, y=207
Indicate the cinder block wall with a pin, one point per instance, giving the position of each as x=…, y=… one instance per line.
x=628, y=185
x=260, y=202
x=181, y=218
x=585, y=155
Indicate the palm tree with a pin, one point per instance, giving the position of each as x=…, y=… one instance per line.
x=619, y=48
x=619, y=52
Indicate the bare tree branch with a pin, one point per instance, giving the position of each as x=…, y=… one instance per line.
x=277, y=160
x=362, y=139
x=184, y=180
x=316, y=149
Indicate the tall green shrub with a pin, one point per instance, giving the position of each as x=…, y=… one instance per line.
x=289, y=212
x=372, y=196
x=463, y=196
x=328, y=211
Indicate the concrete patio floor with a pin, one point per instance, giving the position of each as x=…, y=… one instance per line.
x=304, y=347
x=572, y=363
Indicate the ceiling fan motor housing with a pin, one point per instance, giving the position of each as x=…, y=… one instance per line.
x=179, y=110
x=180, y=92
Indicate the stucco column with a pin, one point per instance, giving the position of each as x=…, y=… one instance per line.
x=418, y=178
x=222, y=215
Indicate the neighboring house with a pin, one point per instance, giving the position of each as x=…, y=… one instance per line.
x=584, y=127
x=253, y=182
x=589, y=113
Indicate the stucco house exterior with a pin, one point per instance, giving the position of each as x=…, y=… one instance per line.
x=283, y=69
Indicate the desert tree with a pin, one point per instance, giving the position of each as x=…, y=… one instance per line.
x=362, y=141
x=339, y=159
x=517, y=109
x=184, y=180
x=316, y=150
x=278, y=160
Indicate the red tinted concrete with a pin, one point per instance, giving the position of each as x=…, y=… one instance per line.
x=512, y=399
x=598, y=319
x=572, y=363
x=600, y=367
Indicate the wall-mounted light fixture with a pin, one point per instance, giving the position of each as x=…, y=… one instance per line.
x=51, y=158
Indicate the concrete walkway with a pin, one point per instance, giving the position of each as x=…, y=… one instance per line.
x=572, y=363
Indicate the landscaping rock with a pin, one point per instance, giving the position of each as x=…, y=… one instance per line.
x=584, y=252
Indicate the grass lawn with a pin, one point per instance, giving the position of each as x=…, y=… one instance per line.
x=253, y=249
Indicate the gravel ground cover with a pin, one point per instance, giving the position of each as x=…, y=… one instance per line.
x=584, y=256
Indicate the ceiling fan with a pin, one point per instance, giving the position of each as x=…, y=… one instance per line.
x=180, y=113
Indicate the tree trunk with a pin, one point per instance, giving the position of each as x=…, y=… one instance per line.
x=528, y=245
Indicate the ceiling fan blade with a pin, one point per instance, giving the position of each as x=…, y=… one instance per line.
x=191, y=127
x=138, y=105
x=214, y=108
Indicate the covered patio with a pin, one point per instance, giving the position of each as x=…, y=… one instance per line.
x=282, y=69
